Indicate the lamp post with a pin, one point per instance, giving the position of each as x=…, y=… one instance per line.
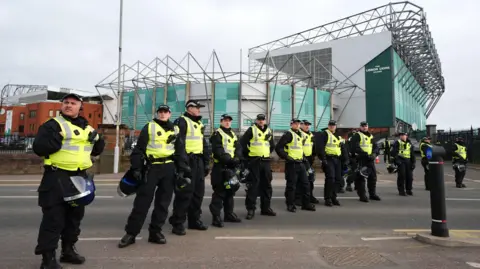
x=116, y=157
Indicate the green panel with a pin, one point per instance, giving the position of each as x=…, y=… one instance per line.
x=304, y=104
x=281, y=107
x=226, y=101
x=159, y=96
x=379, y=91
x=176, y=100
x=323, y=109
x=128, y=104
x=144, y=107
x=408, y=95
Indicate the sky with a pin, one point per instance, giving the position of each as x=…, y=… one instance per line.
x=75, y=43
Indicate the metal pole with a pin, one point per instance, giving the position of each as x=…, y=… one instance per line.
x=116, y=157
x=438, y=206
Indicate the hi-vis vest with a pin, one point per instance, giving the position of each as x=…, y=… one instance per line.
x=294, y=149
x=404, y=149
x=308, y=143
x=462, y=151
x=259, y=146
x=366, y=142
x=228, y=143
x=333, y=145
x=157, y=146
x=75, y=151
x=421, y=151
x=194, y=137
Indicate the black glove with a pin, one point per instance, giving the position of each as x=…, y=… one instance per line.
x=92, y=135
x=185, y=171
x=171, y=138
x=137, y=175
x=182, y=183
x=413, y=165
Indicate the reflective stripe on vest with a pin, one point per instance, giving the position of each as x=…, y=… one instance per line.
x=461, y=150
x=228, y=143
x=75, y=151
x=308, y=144
x=157, y=146
x=366, y=143
x=333, y=145
x=193, y=137
x=259, y=146
x=421, y=151
x=404, y=149
x=294, y=149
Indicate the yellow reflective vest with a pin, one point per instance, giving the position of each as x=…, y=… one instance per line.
x=404, y=149
x=193, y=137
x=228, y=143
x=332, y=147
x=294, y=149
x=308, y=143
x=157, y=146
x=461, y=150
x=259, y=145
x=422, y=153
x=76, y=149
x=366, y=142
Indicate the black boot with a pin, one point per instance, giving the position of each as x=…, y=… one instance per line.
x=349, y=188
x=292, y=208
x=197, y=225
x=178, y=229
x=250, y=214
x=217, y=221
x=49, y=261
x=410, y=193
x=364, y=198
x=375, y=197
x=157, y=238
x=232, y=217
x=70, y=254
x=126, y=241
x=335, y=202
x=268, y=212
x=328, y=202
x=309, y=207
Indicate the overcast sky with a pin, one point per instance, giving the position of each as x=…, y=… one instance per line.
x=75, y=43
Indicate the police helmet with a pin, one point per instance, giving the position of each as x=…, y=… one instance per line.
x=364, y=171
x=392, y=168
x=79, y=191
x=183, y=183
x=128, y=185
x=231, y=180
x=242, y=174
x=461, y=167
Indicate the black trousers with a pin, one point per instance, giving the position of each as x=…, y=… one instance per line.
x=427, y=173
x=333, y=171
x=311, y=180
x=371, y=179
x=404, y=176
x=221, y=197
x=340, y=181
x=190, y=202
x=59, y=220
x=259, y=182
x=459, y=176
x=296, y=173
x=353, y=167
x=160, y=184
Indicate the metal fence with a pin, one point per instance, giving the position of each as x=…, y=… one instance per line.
x=12, y=144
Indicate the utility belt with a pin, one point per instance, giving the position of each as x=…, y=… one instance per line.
x=197, y=155
x=53, y=168
x=160, y=160
x=333, y=156
x=263, y=159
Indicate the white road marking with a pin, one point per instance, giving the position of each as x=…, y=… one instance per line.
x=465, y=178
x=36, y=185
x=385, y=238
x=104, y=238
x=35, y=197
x=254, y=237
x=462, y=199
x=474, y=264
x=38, y=180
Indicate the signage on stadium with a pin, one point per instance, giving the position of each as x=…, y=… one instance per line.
x=377, y=69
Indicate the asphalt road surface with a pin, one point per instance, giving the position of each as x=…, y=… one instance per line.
x=373, y=235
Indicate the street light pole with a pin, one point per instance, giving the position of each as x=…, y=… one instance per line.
x=116, y=157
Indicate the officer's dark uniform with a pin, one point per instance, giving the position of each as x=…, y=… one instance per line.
x=329, y=151
x=386, y=151
x=165, y=154
x=190, y=203
x=352, y=163
x=403, y=154
x=424, y=145
x=459, y=157
x=227, y=154
x=290, y=149
x=257, y=145
x=340, y=182
x=59, y=218
x=365, y=151
x=308, y=151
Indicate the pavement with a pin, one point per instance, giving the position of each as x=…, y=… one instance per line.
x=354, y=235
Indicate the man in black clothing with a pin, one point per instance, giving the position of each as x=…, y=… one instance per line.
x=189, y=203
x=403, y=154
x=329, y=151
x=165, y=155
x=227, y=154
x=309, y=152
x=57, y=141
x=424, y=145
x=352, y=163
x=257, y=145
x=290, y=149
x=459, y=160
x=365, y=151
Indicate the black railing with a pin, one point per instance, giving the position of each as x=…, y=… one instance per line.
x=14, y=144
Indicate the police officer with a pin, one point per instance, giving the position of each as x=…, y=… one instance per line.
x=191, y=130
x=290, y=148
x=402, y=152
x=365, y=152
x=308, y=150
x=386, y=151
x=165, y=155
x=459, y=160
x=257, y=145
x=227, y=156
x=329, y=152
x=424, y=145
x=66, y=143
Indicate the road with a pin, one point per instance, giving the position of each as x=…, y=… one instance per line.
x=356, y=234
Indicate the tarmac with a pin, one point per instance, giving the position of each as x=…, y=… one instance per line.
x=355, y=235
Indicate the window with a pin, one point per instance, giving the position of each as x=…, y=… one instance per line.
x=58, y=113
x=50, y=113
x=89, y=115
x=22, y=116
x=20, y=129
x=32, y=114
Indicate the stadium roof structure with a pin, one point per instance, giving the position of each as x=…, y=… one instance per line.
x=411, y=39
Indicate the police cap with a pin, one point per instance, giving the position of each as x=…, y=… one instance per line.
x=193, y=103
x=163, y=108
x=72, y=95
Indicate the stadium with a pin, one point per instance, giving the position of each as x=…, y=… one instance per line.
x=379, y=65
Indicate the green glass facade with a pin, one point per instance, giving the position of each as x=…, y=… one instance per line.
x=281, y=105
x=176, y=100
x=226, y=101
x=304, y=104
x=323, y=109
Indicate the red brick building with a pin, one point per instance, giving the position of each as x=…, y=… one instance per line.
x=27, y=118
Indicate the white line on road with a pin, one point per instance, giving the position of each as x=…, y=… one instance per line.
x=465, y=178
x=104, y=238
x=462, y=199
x=38, y=180
x=34, y=197
x=385, y=238
x=33, y=185
x=254, y=237
x=474, y=264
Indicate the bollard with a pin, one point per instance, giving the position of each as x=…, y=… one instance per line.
x=438, y=206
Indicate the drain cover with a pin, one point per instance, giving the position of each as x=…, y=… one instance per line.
x=352, y=256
